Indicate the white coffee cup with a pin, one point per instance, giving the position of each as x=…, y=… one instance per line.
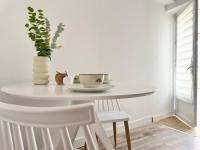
x=91, y=80
x=106, y=78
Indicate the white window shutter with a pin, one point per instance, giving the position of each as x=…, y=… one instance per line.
x=184, y=54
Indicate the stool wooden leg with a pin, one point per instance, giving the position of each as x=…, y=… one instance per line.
x=127, y=134
x=85, y=146
x=97, y=137
x=115, y=133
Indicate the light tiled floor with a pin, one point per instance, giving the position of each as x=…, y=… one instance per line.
x=167, y=134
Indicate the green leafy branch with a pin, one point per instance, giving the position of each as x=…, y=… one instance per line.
x=39, y=30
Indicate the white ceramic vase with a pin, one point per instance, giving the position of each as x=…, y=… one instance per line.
x=41, y=67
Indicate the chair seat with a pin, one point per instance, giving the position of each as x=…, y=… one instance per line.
x=113, y=116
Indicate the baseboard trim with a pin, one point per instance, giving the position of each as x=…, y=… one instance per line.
x=132, y=124
x=163, y=116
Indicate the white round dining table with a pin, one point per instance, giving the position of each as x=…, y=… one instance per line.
x=52, y=94
x=56, y=95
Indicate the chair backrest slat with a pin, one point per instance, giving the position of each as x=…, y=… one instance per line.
x=91, y=145
x=108, y=105
x=67, y=144
x=30, y=137
x=103, y=105
x=17, y=137
x=112, y=104
x=46, y=137
x=108, y=108
x=7, y=136
x=118, y=104
x=98, y=105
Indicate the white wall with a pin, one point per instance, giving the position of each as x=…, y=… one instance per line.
x=130, y=39
x=136, y=48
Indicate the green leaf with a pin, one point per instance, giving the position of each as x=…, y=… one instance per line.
x=32, y=19
x=32, y=36
x=40, y=53
x=38, y=36
x=31, y=28
x=41, y=17
x=38, y=49
x=40, y=10
x=41, y=14
x=27, y=25
x=43, y=33
x=42, y=28
x=36, y=44
x=30, y=9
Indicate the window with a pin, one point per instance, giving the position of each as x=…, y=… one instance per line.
x=184, y=54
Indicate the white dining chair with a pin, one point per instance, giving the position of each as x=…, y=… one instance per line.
x=14, y=117
x=109, y=111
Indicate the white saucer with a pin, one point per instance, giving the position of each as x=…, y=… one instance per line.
x=81, y=88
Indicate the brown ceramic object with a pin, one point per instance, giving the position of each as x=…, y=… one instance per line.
x=59, y=78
